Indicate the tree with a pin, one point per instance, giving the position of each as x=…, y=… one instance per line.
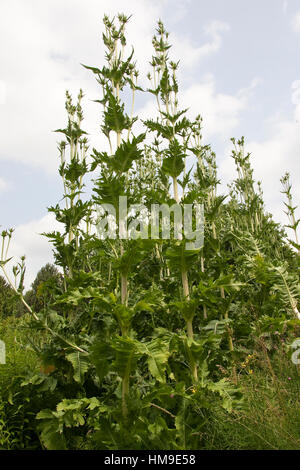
x=48, y=281
x=9, y=303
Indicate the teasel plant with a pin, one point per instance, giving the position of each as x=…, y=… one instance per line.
x=139, y=323
x=244, y=189
x=73, y=168
x=17, y=286
x=278, y=274
x=214, y=206
x=118, y=171
x=291, y=210
x=258, y=236
x=175, y=130
x=181, y=138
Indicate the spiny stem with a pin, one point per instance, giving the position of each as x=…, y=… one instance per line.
x=162, y=409
x=33, y=314
x=175, y=187
x=189, y=323
x=124, y=286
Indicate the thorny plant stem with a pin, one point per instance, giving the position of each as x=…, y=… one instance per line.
x=124, y=279
x=33, y=314
x=184, y=274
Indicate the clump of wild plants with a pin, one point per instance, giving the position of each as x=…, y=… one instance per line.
x=146, y=334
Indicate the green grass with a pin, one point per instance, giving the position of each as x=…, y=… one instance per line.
x=271, y=417
x=16, y=419
x=19, y=358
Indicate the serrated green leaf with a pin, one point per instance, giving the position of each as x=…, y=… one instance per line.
x=80, y=365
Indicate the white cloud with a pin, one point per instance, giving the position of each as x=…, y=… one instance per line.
x=4, y=185
x=45, y=44
x=247, y=92
x=272, y=157
x=285, y=7
x=2, y=92
x=296, y=92
x=27, y=241
x=296, y=22
x=220, y=111
x=214, y=29
x=191, y=54
x=175, y=15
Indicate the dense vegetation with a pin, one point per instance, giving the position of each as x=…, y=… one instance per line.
x=187, y=349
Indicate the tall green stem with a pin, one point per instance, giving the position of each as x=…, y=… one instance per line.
x=189, y=323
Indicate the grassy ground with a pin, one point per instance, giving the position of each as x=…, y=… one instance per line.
x=16, y=419
x=271, y=418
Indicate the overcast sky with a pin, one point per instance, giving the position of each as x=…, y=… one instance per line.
x=239, y=68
